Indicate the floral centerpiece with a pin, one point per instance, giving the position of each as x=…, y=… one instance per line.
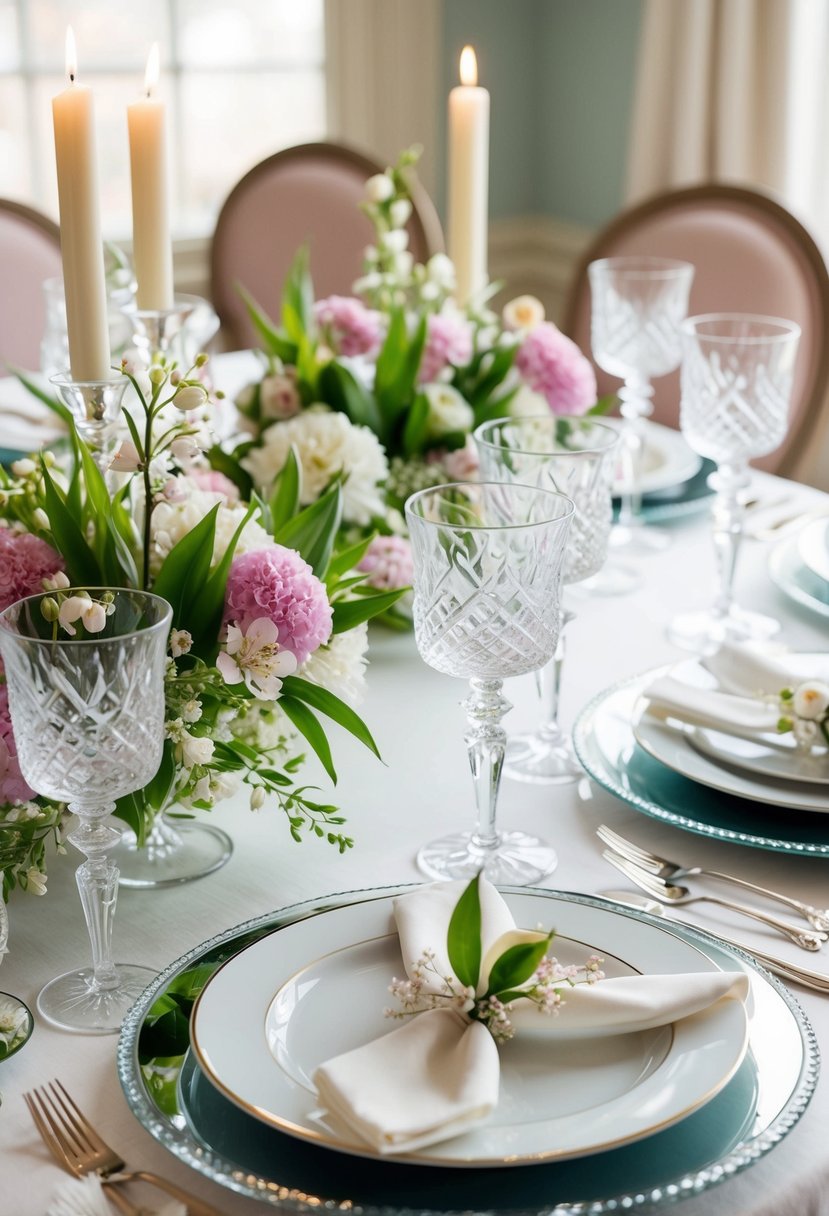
x=269, y=612
x=386, y=386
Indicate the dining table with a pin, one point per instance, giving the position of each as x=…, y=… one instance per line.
x=420, y=789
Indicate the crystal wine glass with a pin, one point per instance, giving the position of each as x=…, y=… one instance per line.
x=736, y=383
x=576, y=457
x=88, y=718
x=637, y=306
x=488, y=559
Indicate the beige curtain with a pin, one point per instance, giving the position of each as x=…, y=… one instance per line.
x=733, y=90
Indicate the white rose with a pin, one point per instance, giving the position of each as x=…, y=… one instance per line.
x=449, y=412
x=380, y=188
x=524, y=312
x=811, y=700
x=195, y=749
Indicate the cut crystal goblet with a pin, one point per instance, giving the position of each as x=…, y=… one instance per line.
x=576, y=457
x=488, y=560
x=87, y=713
x=736, y=384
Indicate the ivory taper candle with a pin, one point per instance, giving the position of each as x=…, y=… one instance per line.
x=81, y=244
x=469, y=179
x=152, y=245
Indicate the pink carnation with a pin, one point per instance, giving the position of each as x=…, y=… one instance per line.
x=448, y=341
x=12, y=786
x=348, y=326
x=278, y=584
x=388, y=563
x=552, y=365
x=216, y=483
x=25, y=560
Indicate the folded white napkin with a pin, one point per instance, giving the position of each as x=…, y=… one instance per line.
x=744, y=675
x=438, y=1074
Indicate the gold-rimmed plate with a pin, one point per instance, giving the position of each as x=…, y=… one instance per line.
x=316, y=988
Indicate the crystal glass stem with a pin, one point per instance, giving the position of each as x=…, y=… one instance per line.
x=635, y=408
x=549, y=683
x=729, y=481
x=159, y=330
x=97, y=880
x=95, y=406
x=486, y=742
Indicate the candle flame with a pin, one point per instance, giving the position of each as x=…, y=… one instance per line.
x=71, y=54
x=469, y=66
x=152, y=72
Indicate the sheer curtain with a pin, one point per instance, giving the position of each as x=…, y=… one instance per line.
x=735, y=90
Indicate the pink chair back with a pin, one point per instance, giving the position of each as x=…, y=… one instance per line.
x=751, y=255
x=29, y=253
x=310, y=195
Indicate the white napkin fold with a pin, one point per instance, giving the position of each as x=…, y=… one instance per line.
x=744, y=675
x=438, y=1074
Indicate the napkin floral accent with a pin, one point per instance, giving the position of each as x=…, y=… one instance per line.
x=804, y=711
x=484, y=987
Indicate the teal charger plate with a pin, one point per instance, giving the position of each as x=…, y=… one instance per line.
x=677, y=502
x=175, y=1102
x=605, y=745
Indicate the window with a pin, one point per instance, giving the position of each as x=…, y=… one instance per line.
x=241, y=79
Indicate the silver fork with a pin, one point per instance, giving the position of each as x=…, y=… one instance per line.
x=668, y=893
x=75, y=1145
x=818, y=918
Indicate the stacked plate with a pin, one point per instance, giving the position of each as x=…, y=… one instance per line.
x=216, y=1057
x=800, y=566
x=674, y=481
x=761, y=793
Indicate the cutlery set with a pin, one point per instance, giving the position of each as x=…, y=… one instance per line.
x=654, y=876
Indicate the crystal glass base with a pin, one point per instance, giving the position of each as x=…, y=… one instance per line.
x=640, y=540
x=705, y=632
x=518, y=859
x=614, y=578
x=542, y=759
x=72, y=1002
x=173, y=854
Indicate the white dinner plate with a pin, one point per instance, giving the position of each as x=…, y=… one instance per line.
x=813, y=546
x=682, y=748
x=316, y=988
x=796, y=580
x=667, y=460
x=769, y=759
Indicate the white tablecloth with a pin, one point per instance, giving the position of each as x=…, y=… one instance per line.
x=423, y=790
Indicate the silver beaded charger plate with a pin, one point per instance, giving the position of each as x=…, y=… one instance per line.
x=320, y=987
x=172, y=1098
x=606, y=745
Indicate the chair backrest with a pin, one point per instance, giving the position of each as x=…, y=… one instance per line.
x=309, y=194
x=29, y=254
x=751, y=255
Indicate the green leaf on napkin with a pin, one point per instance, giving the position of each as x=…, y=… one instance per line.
x=463, y=939
x=515, y=966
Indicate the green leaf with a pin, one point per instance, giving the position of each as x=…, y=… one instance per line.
x=223, y=463
x=414, y=431
x=330, y=705
x=604, y=405
x=339, y=389
x=165, y=1037
x=298, y=299
x=82, y=566
x=463, y=938
x=117, y=562
x=182, y=578
x=308, y=726
x=157, y=792
x=346, y=559
x=349, y=613
x=274, y=342
x=210, y=603
x=52, y=403
x=285, y=495
x=516, y=965
x=312, y=532
x=131, y=810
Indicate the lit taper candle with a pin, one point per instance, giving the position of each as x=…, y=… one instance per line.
x=152, y=245
x=81, y=244
x=468, y=179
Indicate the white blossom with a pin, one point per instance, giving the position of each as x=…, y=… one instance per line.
x=523, y=313
x=379, y=188
x=340, y=665
x=811, y=700
x=449, y=412
x=172, y=521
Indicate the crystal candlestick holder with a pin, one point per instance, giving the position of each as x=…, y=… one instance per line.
x=161, y=331
x=87, y=712
x=95, y=406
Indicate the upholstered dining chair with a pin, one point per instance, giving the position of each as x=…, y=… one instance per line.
x=751, y=255
x=308, y=194
x=29, y=253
